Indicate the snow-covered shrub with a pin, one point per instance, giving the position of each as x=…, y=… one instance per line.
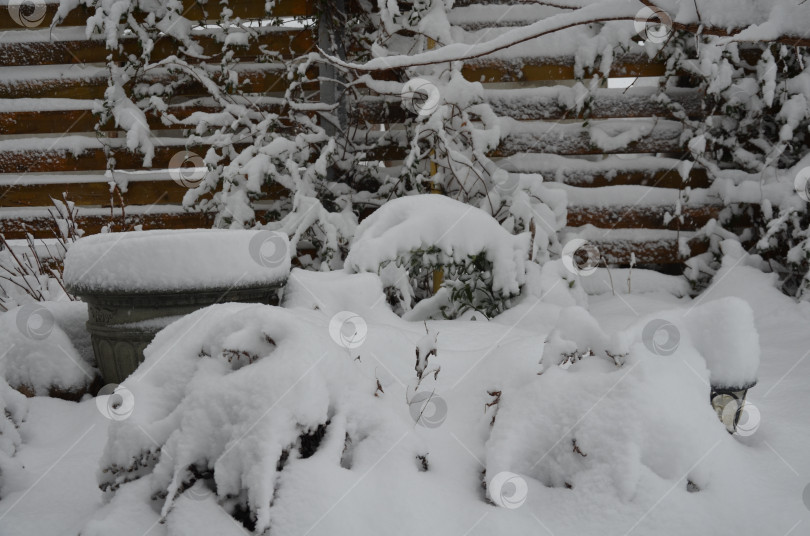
x=13, y=409
x=589, y=424
x=576, y=335
x=232, y=398
x=752, y=139
x=46, y=350
x=34, y=273
x=408, y=239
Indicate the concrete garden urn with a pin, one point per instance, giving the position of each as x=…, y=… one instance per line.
x=136, y=283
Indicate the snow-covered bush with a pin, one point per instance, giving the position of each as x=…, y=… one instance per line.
x=756, y=148
x=232, y=398
x=46, y=350
x=410, y=238
x=590, y=424
x=13, y=409
x=33, y=273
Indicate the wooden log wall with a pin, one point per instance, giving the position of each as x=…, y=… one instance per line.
x=50, y=79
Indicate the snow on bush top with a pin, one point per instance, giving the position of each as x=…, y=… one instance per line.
x=459, y=230
x=142, y=261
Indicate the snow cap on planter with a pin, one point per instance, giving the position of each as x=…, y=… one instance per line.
x=724, y=333
x=177, y=260
x=457, y=229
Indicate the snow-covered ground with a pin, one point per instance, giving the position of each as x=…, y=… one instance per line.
x=593, y=447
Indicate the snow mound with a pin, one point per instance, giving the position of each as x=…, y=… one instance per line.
x=140, y=261
x=234, y=396
x=332, y=292
x=577, y=334
x=39, y=357
x=457, y=229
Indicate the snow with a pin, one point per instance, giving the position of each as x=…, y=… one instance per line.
x=45, y=347
x=457, y=229
x=627, y=438
x=177, y=260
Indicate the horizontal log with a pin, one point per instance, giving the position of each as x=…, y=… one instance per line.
x=43, y=226
x=561, y=141
x=615, y=170
x=659, y=178
x=642, y=217
x=160, y=195
x=555, y=103
x=93, y=159
x=535, y=69
x=663, y=137
x=91, y=83
x=139, y=192
x=192, y=10
x=78, y=121
x=524, y=105
x=647, y=252
x=287, y=42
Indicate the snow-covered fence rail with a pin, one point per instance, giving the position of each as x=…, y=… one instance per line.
x=53, y=79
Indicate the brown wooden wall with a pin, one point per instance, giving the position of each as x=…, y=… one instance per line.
x=40, y=113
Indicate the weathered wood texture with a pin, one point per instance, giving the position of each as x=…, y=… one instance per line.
x=69, y=67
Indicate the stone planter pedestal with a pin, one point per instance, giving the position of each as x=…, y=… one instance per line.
x=136, y=283
x=122, y=325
